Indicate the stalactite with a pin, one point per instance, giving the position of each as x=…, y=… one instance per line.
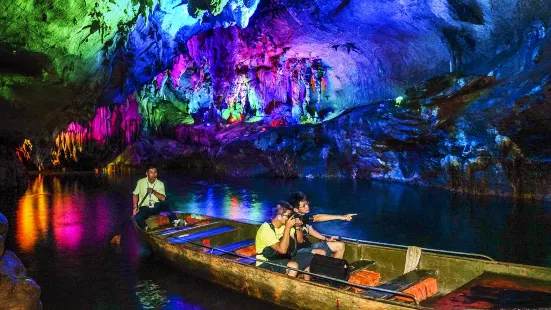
x=180, y=64
x=68, y=144
x=108, y=123
x=23, y=152
x=131, y=119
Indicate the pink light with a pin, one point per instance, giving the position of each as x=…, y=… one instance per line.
x=196, y=78
x=115, y=120
x=160, y=79
x=76, y=128
x=179, y=67
x=131, y=119
x=234, y=207
x=102, y=218
x=130, y=110
x=67, y=222
x=100, y=125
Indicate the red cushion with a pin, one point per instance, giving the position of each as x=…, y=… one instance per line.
x=421, y=290
x=365, y=277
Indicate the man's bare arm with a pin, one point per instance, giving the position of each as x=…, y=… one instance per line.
x=283, y=245
x=314, y=233
x=329, y=217
x=135, y=206
x=159, y=196
x=299, y=232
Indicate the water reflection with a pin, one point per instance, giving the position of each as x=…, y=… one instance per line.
x=151, y=295
x=32, y=215
x=67, y=221
x=55, y=204
x=63, y=224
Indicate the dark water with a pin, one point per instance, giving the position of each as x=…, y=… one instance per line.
x=60, y=228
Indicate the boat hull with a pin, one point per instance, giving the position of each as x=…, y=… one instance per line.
x=453, y=272
x=260, y=283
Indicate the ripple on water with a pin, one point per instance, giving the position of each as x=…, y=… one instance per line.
x=151, y=295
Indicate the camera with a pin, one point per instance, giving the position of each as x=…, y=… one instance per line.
x=303, y=218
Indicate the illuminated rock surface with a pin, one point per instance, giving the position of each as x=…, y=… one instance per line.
x=17, y=291
x=446, y=93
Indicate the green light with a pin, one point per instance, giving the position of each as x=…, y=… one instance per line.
x=398, y=101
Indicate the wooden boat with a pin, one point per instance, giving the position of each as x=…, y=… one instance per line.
x=206, y=247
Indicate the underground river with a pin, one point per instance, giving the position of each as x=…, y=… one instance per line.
x=61, y=226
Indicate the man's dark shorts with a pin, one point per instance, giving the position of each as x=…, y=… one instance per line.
x=280, y=265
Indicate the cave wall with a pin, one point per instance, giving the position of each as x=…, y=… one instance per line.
x=450, y=93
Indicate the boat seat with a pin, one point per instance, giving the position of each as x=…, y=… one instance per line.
x=175, y=230
x=232, y=247
x=200, y=235
x=401, y=283
x=249, y=251
x=161, y=219
x=359, y=265
x=360, y=274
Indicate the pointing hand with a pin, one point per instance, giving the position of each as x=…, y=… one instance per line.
x=348, y=217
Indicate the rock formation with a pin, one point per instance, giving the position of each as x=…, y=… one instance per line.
x=17, y=291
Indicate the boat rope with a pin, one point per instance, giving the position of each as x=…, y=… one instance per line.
x=413, y=256
x=405, y=247
x=365, y=287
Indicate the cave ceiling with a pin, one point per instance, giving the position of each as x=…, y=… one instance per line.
x=467, y=79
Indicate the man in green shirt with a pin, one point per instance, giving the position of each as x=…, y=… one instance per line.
x=275, y=246
x=149, y=199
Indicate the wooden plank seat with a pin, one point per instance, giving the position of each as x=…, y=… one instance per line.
x=232, y=247
x=200, y=235
x=160, y=220
x=401, y=283
x=175, y=230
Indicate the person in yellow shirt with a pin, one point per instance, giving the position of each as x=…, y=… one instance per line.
x=275, y=246
x=149, y=199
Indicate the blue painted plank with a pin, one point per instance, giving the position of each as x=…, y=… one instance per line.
x=170, y=231
x=233, y=246
x=200, y=235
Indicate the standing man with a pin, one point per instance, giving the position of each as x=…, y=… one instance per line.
x=301, y=206
x=275, y=246
x=150, y=193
